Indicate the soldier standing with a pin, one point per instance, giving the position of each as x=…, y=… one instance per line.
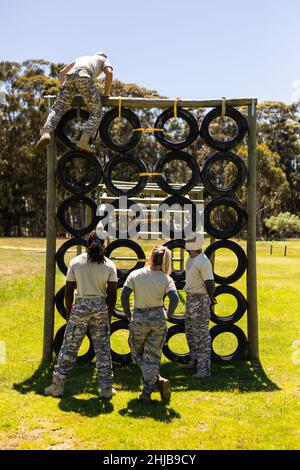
x=79, y=77
x=200, y=288
x=96, y=279
x=148, y=325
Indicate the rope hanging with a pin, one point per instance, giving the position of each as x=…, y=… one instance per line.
x=120, y=106
x=150, y=174
x=147, y=131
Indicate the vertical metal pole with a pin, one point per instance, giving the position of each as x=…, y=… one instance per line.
x=252, y=317
x=50, y=253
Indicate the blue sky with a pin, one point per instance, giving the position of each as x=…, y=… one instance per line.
x=191, y=48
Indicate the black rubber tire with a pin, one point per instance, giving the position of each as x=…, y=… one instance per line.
x=171, y=244
x=134, y=246
x=228, y=232
x=60, y=254
x=234, y=114
x=237, y=314
x=76, y=199
x=239, y=181
x=240, y=353
x=106, y=137
x=187, y=117
x=59, y=301
x=124, y=359
x=119, y=314
x=171, y=355
x=58, y=341
x=132, y=161
x=241, y=257
x=64, y=121
x=178, y=319
x=116, y=205
x=93, y=161
x=191, y=227
x=177, y=155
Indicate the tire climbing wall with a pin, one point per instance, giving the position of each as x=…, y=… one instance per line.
x=80, y=173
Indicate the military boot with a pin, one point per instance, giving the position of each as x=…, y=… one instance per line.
x=145, y=398
x=83, y=144
x=56, y=389
x=44, y=140
x=164, y=388
x=201, y=374
x=107, y=392
x=191, y=365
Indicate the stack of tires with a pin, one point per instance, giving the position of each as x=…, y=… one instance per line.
x=224, y=196
x=73, y=166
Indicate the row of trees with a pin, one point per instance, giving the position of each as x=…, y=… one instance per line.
x=23, y=172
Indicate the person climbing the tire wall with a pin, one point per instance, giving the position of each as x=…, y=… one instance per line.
x=200, y=288
x=75, y=78
x=95, y=277
x=148, y=325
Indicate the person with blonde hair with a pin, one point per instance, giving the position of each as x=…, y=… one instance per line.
x=148, y=322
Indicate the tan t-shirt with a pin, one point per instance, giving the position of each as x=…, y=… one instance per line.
x=91, y=278
x=149, y=287
x=95, y=64
x=197, y=270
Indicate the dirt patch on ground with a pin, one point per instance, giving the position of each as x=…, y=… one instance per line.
x=23, y=435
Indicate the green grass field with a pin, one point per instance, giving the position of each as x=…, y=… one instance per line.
x=242, y=406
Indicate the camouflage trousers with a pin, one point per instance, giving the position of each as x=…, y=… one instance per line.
x=79, y=82
x=147, y=334
x=197, y=315
x=87, y=313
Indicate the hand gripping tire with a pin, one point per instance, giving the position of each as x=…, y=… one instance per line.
x=178, y=275
x=171, y=355
x=64, y=121
x=192, y=164
x=132, y=161
x=241, y=351
x=190, y=121
x=235, y=228
x=234, y=114
x=237, y=183
x=58, y=341
x=169, y=231
x=94, y=168
x=123, y=359
x=132, y=245
x=73, y=200
x=239, y=311
x=241, y=257
x=59, y=301
x=105, y=133
x=60, y=254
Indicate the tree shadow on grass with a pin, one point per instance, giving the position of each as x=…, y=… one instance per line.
x=244, y=376
x=156, y=410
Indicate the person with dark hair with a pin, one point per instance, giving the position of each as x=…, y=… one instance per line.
x=95, y=278
x=148, y=323
x=200, y=294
